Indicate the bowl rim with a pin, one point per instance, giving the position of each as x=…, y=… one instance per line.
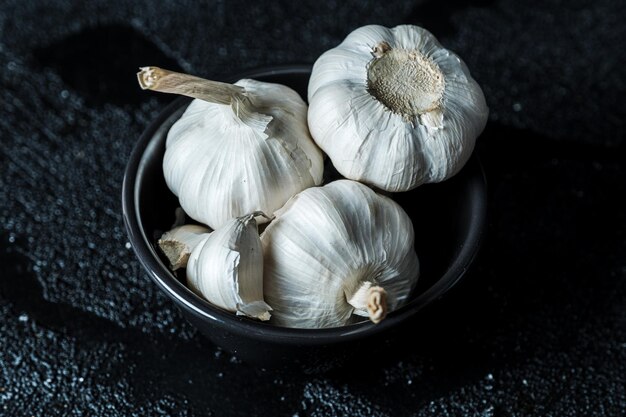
x=190, y=302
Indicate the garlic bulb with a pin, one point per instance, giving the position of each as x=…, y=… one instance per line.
x=237, y=148
x=177, y=243
x=393, y=108
x=338, y=251
x=226, y=268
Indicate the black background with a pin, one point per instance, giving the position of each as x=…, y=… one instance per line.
x=537, y=329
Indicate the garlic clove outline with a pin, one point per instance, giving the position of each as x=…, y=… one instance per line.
x=237, y=148
x=336, y=252
x=226, y=268
x=392, y=108
x=176, y=244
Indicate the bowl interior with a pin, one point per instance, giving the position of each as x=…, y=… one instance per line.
x=448, y=219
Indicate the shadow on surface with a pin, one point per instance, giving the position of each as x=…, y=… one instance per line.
x=436, y=15
x=101, y=62
x=20, y=287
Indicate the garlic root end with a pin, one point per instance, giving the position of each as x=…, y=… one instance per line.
x=178, y=243
x=177, y=253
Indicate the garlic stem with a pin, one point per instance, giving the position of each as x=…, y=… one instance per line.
x=165, y=81
x=370, y=299
x=377, y=304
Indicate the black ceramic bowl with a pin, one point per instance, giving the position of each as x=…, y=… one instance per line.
x=449, y=219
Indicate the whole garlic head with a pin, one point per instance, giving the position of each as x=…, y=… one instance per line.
x=337, y=251
x=237, y=148
x=226, y=268
x=393, y=108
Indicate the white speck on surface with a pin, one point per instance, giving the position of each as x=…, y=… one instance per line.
x=488, y=412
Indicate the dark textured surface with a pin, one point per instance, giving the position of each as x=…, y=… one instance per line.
x=538, y=329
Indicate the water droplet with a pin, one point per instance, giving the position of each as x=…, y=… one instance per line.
x=128, y=245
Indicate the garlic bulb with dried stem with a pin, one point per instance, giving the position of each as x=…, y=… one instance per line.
x=336, y=252
x=238, y=148
x=394, y=109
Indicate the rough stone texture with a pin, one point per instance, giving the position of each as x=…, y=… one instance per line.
x=539, y=328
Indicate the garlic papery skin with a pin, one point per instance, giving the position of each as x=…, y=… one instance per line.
x=226, y=268
x=333, y=250
x=394, y=109
x=237, y=148
x=177, y=243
